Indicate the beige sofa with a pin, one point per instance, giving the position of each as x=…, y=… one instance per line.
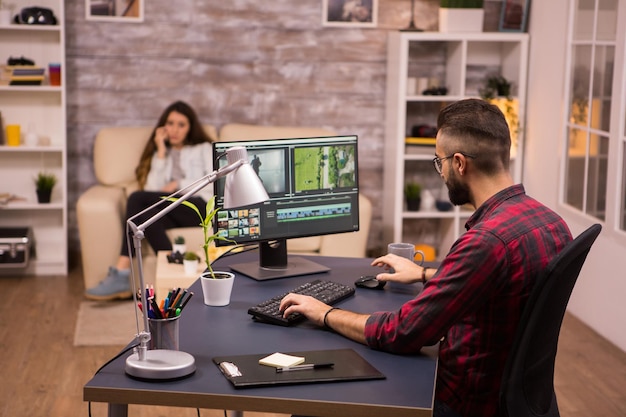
x=101, y=209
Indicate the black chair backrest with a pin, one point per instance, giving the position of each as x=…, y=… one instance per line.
x=528, y=381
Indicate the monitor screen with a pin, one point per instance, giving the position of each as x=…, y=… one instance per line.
x=313, y=189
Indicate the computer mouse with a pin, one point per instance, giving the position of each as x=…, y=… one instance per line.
x=370, y=282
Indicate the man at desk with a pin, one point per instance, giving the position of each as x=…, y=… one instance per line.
x=475, y=298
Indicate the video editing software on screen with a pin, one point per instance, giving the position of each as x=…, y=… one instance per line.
x=312, y=184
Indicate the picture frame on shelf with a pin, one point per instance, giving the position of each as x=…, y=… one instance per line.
x=514, y=15
x=114, y=10
x=350, y=13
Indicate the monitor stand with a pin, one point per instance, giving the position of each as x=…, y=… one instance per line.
x=274, y=263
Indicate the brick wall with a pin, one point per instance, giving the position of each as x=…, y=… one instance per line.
x=244, y=61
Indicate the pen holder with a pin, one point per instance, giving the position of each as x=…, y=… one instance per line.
x=164, y=333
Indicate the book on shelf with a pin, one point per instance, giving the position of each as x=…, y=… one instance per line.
x=420, y=141
x=21, y=75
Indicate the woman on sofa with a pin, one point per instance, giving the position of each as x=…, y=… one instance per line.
x=177, y=154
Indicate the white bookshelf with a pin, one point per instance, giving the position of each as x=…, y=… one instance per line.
x=459, y=62
x=41, y=108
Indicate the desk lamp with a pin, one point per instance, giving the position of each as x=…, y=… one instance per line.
x=243, y=187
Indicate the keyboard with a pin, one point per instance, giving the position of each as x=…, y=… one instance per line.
x=326, y=291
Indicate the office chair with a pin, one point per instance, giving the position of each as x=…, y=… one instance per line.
x=528, y=381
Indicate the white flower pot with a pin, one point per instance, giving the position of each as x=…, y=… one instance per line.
x=217, y=291
x=179, y=247
x=461, y=20
x=190, y=267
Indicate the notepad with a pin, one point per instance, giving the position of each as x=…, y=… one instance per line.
x=281, y=360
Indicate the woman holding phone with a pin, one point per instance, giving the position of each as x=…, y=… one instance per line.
x=177, y=154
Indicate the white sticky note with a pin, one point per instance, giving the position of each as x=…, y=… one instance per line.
x=281, y=360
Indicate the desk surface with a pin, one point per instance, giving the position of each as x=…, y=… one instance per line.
x=207, y=332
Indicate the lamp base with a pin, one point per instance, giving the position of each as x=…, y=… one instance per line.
x=161, y=364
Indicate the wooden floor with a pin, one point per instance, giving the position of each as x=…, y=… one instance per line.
x=42, y=373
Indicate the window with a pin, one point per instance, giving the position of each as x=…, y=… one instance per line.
x=591, y=130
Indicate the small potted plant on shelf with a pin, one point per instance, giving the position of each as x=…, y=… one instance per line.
x=44, y=183
x=216, y=285
x=496, y=86
x=190, y=262
x=413, y=196
x=498, y=91
x=461, y=16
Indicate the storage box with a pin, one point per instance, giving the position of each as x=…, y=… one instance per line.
x=15, y=247
x=460, y=20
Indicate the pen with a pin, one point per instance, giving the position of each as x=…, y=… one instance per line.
x=305, y=367
x=184, y=303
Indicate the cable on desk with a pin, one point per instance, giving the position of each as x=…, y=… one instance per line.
x=231, y=251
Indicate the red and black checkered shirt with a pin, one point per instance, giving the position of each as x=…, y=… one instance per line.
x=476, y=298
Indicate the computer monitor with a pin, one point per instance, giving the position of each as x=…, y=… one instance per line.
x=313, y=187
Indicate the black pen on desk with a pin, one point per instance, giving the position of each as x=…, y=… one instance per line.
x=304, y=367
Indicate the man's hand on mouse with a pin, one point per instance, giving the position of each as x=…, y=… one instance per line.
x=310, y=307
x=405, y=270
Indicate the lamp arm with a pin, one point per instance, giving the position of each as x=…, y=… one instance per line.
x=194, y=188
x=138, y=235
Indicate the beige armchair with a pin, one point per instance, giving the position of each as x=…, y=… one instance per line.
x=101, y=209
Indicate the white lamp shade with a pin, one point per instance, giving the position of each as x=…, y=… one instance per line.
x=243, y=186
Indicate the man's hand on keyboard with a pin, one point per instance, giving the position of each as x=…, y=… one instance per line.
x=308, y=306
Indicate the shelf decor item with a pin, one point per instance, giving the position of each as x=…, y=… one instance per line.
x=115, y=11
x=350, y=13
x=412, y=27
x=461, y=16
x=514, y=16
x=6, y=13
x=413, y=196
x=44, y=183
x=498, y=91
x=243, y=187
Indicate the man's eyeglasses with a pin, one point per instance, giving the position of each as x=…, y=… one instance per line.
x=437, y=162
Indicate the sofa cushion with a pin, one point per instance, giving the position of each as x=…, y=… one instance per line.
x=117, y=151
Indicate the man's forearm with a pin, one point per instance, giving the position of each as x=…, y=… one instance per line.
x=348, y=324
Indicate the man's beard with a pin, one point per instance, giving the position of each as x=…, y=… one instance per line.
x=458, y=192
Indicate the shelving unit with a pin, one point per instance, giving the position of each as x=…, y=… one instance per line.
x=459, y=62
x=42, y=110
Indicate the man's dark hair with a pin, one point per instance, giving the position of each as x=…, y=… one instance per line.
x=477, y=128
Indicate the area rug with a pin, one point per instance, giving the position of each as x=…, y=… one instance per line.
x=105, y=323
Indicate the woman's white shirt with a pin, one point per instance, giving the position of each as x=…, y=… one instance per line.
x=196, y=162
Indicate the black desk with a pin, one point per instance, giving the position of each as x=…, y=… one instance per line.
x=207, y=332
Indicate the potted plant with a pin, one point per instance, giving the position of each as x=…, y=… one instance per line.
x=216, y=285
x=498, y=91
x=461, y=16
x=413, y=196
x=496, y=86
x=190, y=262
x=44, y=183
x=179, y=245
